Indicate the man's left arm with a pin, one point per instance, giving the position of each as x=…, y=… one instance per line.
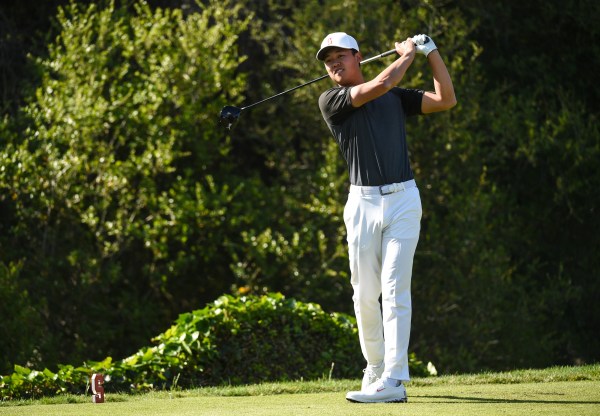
x=443, y=98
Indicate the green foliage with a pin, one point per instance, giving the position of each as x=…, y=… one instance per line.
x=234, y=340
x=249, y=340
x=27, y=383
x=108, y=190
x=123, y=204
x=18, y=312
x=508, y=244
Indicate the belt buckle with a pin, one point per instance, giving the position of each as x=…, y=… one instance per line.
x=386, y=193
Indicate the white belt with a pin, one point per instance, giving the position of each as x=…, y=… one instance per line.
x=383, y=189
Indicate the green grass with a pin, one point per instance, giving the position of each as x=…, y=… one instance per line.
x=555, y=391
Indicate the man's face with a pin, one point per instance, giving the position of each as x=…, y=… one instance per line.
x=343, y=66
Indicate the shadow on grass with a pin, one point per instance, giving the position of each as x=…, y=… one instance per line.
x=466, y=399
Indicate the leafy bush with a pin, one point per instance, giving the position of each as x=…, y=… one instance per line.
x=107, y=201
x=234, y=340
x=26, y=383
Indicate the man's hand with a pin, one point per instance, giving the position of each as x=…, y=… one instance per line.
x=405, y=48
x=424, y=44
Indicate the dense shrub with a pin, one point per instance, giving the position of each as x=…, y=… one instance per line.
x=234, y=340
x=107, y=201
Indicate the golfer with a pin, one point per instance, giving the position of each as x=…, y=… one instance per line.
x=383, y=210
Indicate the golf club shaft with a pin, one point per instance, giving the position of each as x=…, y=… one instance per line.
x=391, y=51
x=285, y=92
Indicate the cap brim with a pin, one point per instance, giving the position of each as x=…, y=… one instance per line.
x=323, y=51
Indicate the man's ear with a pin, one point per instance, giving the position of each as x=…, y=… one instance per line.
x=358, y=56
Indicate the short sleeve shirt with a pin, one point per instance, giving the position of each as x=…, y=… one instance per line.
x=372, y=138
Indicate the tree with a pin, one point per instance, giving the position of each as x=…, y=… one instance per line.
x=108, y=191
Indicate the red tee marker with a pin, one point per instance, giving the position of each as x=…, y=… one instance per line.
x=98, y=388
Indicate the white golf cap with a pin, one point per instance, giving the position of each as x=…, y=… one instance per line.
x=336, y=40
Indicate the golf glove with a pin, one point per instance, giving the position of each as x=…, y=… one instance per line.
x=424, y=44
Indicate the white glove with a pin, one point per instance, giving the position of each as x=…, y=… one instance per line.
x=424, y=44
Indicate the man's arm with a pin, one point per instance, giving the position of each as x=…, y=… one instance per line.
x=443, y=98
x=388, y=78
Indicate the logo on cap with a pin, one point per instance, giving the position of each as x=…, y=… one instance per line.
x=330, y=40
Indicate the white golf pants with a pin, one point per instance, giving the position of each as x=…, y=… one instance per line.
x=383, y=231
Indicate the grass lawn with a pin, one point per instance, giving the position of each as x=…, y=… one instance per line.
x=569, y=391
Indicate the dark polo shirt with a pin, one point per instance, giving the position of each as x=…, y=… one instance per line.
x=372, y=138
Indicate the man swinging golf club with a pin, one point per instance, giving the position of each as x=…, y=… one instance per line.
x=383, y=210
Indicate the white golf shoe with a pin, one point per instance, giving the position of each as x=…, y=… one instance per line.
x=379, y=392
x=372, y=374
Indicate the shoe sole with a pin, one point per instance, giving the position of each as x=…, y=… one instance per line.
x=405, y=400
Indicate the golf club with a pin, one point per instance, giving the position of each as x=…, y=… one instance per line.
x=230, y=114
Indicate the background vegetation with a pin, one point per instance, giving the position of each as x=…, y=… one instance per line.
x=232, y=341
x=123, y=203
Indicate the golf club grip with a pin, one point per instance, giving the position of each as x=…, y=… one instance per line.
x=390, y=52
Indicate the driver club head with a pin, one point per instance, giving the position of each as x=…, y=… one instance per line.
x=229, y=115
